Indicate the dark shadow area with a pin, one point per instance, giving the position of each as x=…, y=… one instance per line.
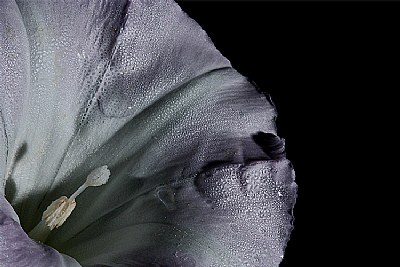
x=21, y=151
x=272, y=145
x=10, y=188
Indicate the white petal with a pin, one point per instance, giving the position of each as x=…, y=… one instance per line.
x=14, y=79
x=134, y=85
x=78, y=58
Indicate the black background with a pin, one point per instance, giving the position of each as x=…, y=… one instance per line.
x=326, y=67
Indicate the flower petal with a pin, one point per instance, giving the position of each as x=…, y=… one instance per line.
x=139, y=87
x=174, y=140
x=91, y=72
x=232, y=215
x=14, y=62
x=17, y=249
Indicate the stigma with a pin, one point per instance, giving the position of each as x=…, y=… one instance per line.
x=60, y=209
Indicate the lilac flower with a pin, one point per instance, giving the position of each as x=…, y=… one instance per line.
x=133, y=96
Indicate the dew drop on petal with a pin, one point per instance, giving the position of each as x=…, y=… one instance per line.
x=166, y=195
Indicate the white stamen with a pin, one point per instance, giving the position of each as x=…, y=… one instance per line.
x=59, y=210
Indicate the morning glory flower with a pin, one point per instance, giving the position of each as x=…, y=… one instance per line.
x=127, y=139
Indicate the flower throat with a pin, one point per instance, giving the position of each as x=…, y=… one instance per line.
x=60, y=209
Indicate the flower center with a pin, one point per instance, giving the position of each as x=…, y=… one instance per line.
x=60, y=209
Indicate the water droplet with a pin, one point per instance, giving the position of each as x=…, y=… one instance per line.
x=167, y=196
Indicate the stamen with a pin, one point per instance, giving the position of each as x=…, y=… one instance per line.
x=59, y=210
